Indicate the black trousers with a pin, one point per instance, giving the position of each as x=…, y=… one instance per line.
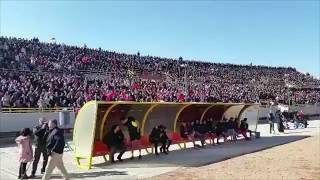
x=155, y=143
x=37, y=153
x=219, y=134
x=271, y=128
x=22, y=169
x=166, y=143
x=114, y=149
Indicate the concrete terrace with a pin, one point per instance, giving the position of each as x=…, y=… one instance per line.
x=151, y=165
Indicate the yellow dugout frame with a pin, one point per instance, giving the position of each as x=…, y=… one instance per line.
x=96, y=118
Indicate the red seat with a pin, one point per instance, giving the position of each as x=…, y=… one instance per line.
x=211, y=135
x=145, y=141
x=134, y=145
x=175, y=137
x=100, y=149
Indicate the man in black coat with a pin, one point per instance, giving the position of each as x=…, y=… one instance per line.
x=154, y=138
x=244, y=128
x=134, y=132
x=200, y=132
x=55, y=146
x=220, y=127
x=115, y=141
x=164, y=139
x=40, y=134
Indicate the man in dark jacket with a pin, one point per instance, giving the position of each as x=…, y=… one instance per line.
x=115, y=141
x=244, y=128
x=220, y=127
x=154, y=138
x=55, y=146
x=40, y=134
x=200, y=131
x=164, y=139
x=231, y=130
x=134, y=132
x=271, y=122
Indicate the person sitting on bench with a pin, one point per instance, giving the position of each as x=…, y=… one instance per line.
x=154, y=138
x=230, y=129
x=236, y=126
x=115, y=141
x=164, y=139
x=220, y=130
x=184, y=133
x=244, y=128
x=187, y=133
x=210, y=130
x=200, y=132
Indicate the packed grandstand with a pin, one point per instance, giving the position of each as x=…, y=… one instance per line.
x=38, y=74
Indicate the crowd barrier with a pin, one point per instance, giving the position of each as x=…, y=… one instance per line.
x=96, y=118
x=36, y=110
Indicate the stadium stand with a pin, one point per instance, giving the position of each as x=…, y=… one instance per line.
x=45, y=75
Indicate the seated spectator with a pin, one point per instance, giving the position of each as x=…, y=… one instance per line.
x=210, y=129
x=200, y=132
x=230, y=129
x=154, y=138
x=115, y=141
x=187, y=132
x=164, y=139
x=184, y=131
x=220, y=130
x=236, y=126
x=244, y=128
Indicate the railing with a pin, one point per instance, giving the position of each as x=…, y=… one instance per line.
x=36, y=110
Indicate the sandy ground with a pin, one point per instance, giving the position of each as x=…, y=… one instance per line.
x=296, y=160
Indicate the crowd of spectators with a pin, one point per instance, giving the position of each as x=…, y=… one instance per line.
x=37, y=74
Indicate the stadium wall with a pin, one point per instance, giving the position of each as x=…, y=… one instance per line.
x=312, y=112
x=14, y=122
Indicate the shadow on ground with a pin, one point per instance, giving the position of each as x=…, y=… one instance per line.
x=198, y=157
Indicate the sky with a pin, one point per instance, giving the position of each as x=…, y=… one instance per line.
x=274, y=33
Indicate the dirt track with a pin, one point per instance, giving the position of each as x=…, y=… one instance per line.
x=297, y=160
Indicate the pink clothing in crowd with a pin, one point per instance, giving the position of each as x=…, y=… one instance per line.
x=25, y=149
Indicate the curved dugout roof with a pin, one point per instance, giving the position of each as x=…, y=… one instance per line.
x=96, y=118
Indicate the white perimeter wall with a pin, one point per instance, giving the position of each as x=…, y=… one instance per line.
x=307, y=109
x=251, y=113
x=13, y=122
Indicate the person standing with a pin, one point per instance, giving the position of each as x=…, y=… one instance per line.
x=40, y=133
x=25, y=151
x=280, y=124
x=55, y=146
x=271, y=122
x=134, y=132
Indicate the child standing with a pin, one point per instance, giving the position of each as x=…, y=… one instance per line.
x=25, y=151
